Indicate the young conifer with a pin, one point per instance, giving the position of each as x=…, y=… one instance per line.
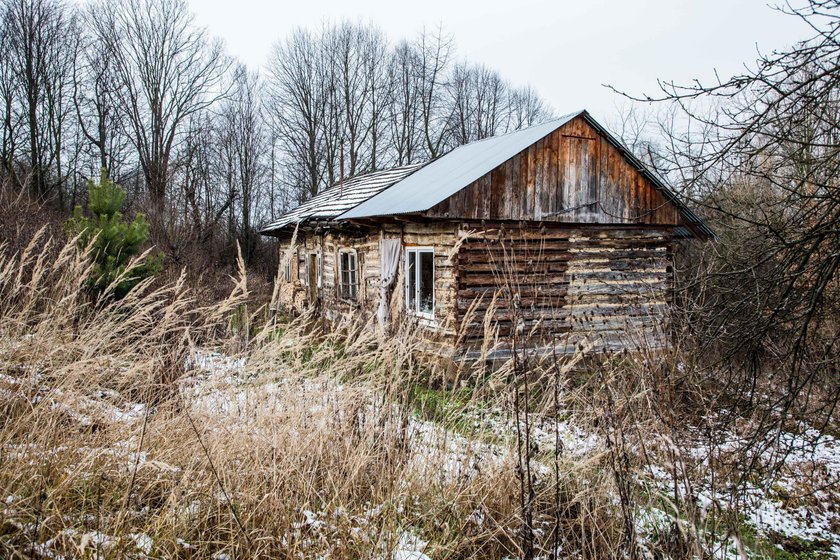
x=115, y=240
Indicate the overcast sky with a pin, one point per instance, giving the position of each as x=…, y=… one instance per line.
x=565, y=49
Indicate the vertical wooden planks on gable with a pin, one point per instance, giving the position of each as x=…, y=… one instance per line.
x=570, y=176
x=548, y=173
x=539, y=179
x=627, y=191
x=604, y=177
x=517, y=189
x=481, y=203
x=496, y=195
x=594, y=180
x=585, y=173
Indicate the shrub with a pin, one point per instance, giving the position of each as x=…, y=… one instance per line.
x=115, y=241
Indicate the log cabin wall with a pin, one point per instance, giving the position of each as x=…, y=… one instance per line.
x=574, y=285
x=574, y=175
x=571, y=286
x=295, y=292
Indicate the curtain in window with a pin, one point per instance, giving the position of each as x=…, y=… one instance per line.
x=389, y=260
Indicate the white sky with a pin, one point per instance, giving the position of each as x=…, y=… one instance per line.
x=565, y=49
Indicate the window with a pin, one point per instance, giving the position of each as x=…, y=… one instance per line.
x=287, y=268
x=349, y=281
x=318, y=265
x=420, y=281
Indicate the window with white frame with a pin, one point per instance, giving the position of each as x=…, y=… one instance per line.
x=348, y=275
x=420, y=281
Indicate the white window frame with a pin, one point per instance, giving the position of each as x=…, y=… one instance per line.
x=355, y=296
x=416, y=311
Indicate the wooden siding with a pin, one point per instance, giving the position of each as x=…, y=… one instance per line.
x=574, y=286
x=574, y=175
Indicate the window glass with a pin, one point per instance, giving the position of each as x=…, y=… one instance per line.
x=353, y=282
x=420, y=281
x=411, y=280
x=426, y=278
x=348, y=275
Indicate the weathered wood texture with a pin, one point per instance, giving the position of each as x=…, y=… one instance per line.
x=294, y=294
x=574, y=175
x=571, y=286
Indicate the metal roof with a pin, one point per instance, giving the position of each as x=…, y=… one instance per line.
x=417, y=188
x=329, y=204
x=448, y=174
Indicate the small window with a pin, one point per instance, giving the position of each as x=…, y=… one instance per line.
x=349, y=280
x=287, y=269
x=420, y=281
x=318, y=269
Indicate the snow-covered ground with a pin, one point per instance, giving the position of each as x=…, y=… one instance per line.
x=800, y=502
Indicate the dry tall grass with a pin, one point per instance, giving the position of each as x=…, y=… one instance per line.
x=159, y=426
x=155, y=426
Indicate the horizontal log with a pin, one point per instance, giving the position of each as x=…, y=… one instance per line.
x=532, y=266
x=526, y=291
x=535, y=231
x=505, y=278
x=468, y=248
x=610, y=275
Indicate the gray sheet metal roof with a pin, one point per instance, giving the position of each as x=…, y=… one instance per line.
x=443, y=177
x=329, y=204
x=417, y=188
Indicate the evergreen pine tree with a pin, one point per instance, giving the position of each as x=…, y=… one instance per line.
x=115, y=240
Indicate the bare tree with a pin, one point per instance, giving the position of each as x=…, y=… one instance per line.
x=8, y=96
x=478, y=98
x=168, y=70
x=296, y=103
x=242, y=138
x=342, y=94
x=526, y=108
x=759, y=154
x=404, y=118
x=356, y=82
x=435, y=54
x=95, y=97
x=40, y=50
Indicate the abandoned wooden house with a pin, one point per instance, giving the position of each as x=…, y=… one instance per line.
x=554, y=234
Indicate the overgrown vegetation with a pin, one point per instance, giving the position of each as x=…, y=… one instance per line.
x=162, y=426
x=180, y=419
